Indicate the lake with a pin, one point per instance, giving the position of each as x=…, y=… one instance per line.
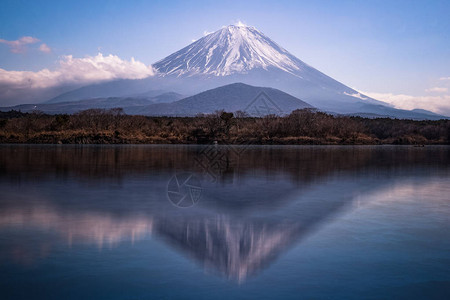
x=224, y=222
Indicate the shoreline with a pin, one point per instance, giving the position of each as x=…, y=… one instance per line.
x=301, y=127
x=272, y=143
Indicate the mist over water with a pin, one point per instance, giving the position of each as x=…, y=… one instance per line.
x=313, y=222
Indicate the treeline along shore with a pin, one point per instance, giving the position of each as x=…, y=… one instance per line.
x=308, y=127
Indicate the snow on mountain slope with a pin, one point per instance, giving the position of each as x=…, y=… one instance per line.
x=232, y=49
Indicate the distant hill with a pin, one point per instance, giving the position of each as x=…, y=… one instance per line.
x=127, y=103
x=254, y=101
x=381, y=111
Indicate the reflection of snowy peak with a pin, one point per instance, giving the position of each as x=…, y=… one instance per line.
x=230, y=50
x=236, y=249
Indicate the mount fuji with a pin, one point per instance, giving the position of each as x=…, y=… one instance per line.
x=231, y=50
x=244, y=54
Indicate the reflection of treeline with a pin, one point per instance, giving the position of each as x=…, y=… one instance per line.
x=302, y=164
x=96, y=126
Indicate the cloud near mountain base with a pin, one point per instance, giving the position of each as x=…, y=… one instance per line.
x=439, y=104
x=71, y=71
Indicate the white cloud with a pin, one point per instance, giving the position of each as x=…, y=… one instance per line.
x=437, y=90
x=44, y=48
x=240, y=24
x=205, y=33
x=20, y=45
x=438, y=104
x=72, y=70
x=444, y=78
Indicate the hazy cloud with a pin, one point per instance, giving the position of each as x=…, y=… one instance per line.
x=20, y=45
x=438, y=104
x=444, y=78
x=44, y=48
x=437, y=90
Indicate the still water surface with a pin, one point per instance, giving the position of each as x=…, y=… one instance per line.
x=259, y=222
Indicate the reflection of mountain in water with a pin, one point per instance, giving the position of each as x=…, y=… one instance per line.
x=233, y=246
x=41, y=197
x=236, y=249
x=240, y=243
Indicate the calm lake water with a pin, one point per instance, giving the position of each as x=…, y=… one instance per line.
x=217, y=222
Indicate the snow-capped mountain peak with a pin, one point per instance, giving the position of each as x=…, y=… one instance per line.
x=232, y=49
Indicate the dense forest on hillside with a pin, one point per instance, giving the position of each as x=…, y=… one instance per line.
x=96, y=126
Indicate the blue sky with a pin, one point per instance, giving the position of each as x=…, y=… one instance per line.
x=380, y=47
